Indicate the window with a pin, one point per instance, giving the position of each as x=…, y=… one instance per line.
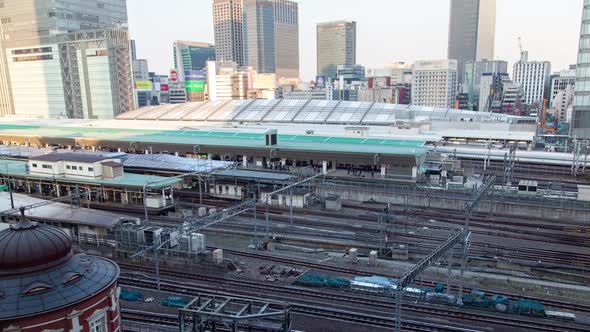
x=75, y=168
x=34, y=165
x=47, y=166
x=99, y=324
x=90, y=169
x=68, y=167
x=6, y=20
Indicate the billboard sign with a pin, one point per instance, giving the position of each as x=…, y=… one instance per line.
x=320, y=82
x=195, y=86
x=173, y=76
x=164, y=87
x=194, y=75
x=195, y=80
x=143, y=85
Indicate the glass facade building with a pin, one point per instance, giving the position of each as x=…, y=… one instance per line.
x=271, y=37
x=192, y=56
x=44, y=30
x=471, y=32
x=580, y=127
x=30, y=23
x=336, y=45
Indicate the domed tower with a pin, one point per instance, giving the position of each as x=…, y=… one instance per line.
x=46, y=287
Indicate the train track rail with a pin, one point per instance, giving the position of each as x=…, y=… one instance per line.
x=298, y=295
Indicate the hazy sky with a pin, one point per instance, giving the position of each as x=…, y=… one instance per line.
x=387, y=30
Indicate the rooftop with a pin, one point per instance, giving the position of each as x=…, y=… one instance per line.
x=224, y=138
x=61, y=211
x=73, y=157
x=20, y=168
x=256, y=175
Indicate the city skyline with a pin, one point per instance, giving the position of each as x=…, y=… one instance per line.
x=542, y=40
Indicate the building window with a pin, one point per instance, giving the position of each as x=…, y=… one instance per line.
x=99, y=324
x=34, y=165
x=47, y=166
x=90, y=169
x=6, y=20
x=68, y=167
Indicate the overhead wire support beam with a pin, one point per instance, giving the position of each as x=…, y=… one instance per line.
x=48, y=202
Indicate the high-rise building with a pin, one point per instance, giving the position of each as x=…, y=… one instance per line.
x=336, y=45
x=133, y=50
x=562, y=103
x=434, y=83
x=534, y=78
x=491, y=91
x=474, y=70
x=561, y=81
x=472, y=32
x=228, y=25
x=50, y=41
x=191, y=56
x=271, y=37
x=581, y=115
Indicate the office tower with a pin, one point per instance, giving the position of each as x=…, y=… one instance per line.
x=474, y=70
x=534, y=78
x=271, y=37
x=512, y=98
x=190, y=56
x=580, y=127
x=471, y=32
x=434, y=83
x=336, y=45
x=491, y=91
x=228, y=26
x=35, y=47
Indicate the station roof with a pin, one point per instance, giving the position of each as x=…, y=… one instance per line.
x=304, y=111
x=225, y=138
x=254, y=175
x=61, y=211
x=20, y=168
x=72, y=157
x=172, y=163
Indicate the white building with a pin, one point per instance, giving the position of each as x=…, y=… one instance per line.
x=76, y=165
x=533, y=77
x=177, y=96
x=434, y=83
x=563, y=103
x=310, y=94
x=226, y=81
x=561, y=81
x=140, y=70
x=79, y=75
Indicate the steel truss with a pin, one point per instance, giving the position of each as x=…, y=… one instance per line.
x=207, y=313
x=425, y=263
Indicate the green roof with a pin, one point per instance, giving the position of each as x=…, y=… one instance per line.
x=220, y=138
x=19, y=168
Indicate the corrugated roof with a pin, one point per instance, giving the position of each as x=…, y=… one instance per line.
x=61, y=211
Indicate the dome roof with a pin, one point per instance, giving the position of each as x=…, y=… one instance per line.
x=27, y=247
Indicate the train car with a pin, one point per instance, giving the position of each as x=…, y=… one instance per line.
x=559, y=315
x=367, y=287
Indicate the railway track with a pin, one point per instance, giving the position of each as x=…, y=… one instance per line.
x=429, y=283
x=298, y=295
x=535, y=256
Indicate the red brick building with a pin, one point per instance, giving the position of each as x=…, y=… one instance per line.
x=46, y=288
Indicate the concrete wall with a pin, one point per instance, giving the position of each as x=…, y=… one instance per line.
x=505, y=206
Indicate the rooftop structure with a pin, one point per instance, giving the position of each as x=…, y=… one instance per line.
x=43, y=282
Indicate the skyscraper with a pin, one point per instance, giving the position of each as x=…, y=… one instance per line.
x=48, y=42
x=336, y=45
x=271, y=37
x=581, y=115
x=471, y=32
x=434, y=83
x=191, y=56
x=228, y=26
